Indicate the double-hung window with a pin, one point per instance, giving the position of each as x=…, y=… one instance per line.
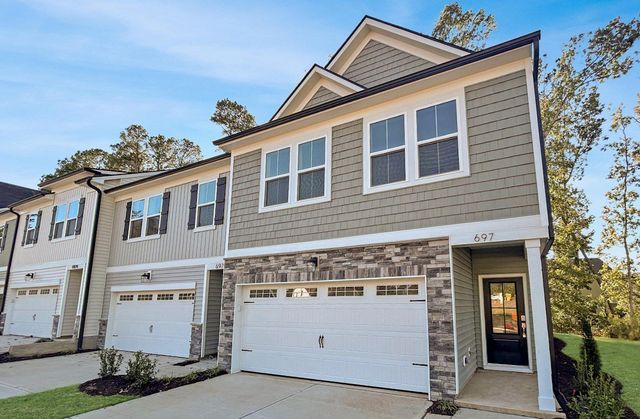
x=32, y=223
x=387, y=151
x=277, y=169
x=437, y=138
x=3, y=237
x=65, y=220
x=145, y=217
x=206, y=203
x=311, y=169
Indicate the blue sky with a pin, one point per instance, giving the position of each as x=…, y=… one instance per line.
x=74, y=74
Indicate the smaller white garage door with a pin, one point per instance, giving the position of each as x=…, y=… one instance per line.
x=32, y=312
x=157, y=322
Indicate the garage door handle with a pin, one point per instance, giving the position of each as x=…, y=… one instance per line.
x=319, y=341
x=150, y=328
x=34, y=317
x=322, y=341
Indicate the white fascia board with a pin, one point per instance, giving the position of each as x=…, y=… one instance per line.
x=216, y=262
x=69, y=263
x=150, y=286
x=501, y=231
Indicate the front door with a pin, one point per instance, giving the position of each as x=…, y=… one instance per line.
x=505, y=320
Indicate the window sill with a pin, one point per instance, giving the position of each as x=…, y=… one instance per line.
x=204, y=228
x=419, y=181
x=139, y=239
x=26, y=246
x=62, y=239
x=309, y=201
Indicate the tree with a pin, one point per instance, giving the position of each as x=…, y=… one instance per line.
x=185, y=152
x=232, y=116
x=572, y=122
x=93, y=157
x=464, y=28
x=622, y=214
x=131, y=153
x=161, y=151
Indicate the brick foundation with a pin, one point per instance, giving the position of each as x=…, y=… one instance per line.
x=429, y=258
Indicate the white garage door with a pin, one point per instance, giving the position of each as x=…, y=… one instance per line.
x=153, y=322
x=32, y=312
x=361, y=332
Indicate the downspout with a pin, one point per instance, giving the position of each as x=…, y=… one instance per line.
x=8, y=271
x=547, y=247
x=92, y=249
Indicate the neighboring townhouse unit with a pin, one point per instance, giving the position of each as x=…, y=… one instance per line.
x=164, y=243
x=8, y=194
x=388, y=226
x=48, y=273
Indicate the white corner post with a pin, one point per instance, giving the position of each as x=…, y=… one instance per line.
x=546, y=400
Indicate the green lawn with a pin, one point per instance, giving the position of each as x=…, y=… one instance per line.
x=58, y=403
x=620, y=358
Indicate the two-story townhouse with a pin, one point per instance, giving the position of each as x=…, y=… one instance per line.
x=53, y=254
x=9, y=193
x=164, y=239
x=388, y=226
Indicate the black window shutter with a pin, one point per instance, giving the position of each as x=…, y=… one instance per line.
x=127, y=218
x=5, y=236
x=221, y=193
x=164, y=216
x=37, y=232
x=193, y=203
x=24, y=232
x=53, y=222
x=80, y=216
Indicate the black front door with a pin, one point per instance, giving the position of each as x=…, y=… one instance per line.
x=506, y=324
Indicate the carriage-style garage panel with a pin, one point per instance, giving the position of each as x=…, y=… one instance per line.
x=32, y=312
x=369, y=332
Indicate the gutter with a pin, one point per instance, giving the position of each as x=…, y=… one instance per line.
x=92, y=249
x=8, y=271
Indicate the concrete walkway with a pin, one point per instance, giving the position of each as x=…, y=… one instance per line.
x=8, y=340
x=24, y=377
x=256, y=396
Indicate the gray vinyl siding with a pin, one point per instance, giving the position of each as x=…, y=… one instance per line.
x=467, y=314
x=378, y=63
x=159, y=276
x=323, y=95
x=178, y=243
x=44, y=250
x=4, y=255
x=495, y=262
x=70, y=308
x=213, y=312
x=45, y=275
x=502, y=183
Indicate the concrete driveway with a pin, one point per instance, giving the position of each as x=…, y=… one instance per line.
x=9, y=340
x=256, y=396
x=24, y=377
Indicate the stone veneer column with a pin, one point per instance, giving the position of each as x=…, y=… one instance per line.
x=102, y=333
x=54, y=326
x=3, y=319
x=195, y=347
x=428, y=258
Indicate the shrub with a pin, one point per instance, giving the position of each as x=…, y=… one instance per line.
x=589, y=349
x=601, y=400
x=443, y=407
x=623, y=328
x=141, y=369
x=110, y=361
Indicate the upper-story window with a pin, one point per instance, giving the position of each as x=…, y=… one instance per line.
x=3, y=237
x=437, y=137
x=311, y=167
x=32, y=224
x=387, y=151
x=145, y=217
x=277, y=177
x=66, y=217
x=206, y=203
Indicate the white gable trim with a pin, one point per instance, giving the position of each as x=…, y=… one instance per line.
x=322, y=77
x=412, y=43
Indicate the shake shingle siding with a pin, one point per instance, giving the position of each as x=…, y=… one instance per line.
x=502, y=183
x=322, y=95
x=378, y=63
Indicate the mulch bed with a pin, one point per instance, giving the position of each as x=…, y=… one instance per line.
x=120, y=385
x=566, y=368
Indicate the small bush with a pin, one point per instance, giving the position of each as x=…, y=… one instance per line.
x=443, y=407
x=141, y=369
x=212, y=372
x=110, y=361
x=589, y=349
x=601, y=400
x=623, y=328
x=191, y=377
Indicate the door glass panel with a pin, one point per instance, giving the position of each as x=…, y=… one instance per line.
x=504, y=308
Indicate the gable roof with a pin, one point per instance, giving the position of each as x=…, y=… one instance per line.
x=522, y=41
x=90, y=171
x=10, y=193
x=315, y=76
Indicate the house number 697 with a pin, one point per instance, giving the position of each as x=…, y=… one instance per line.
x=483, y=237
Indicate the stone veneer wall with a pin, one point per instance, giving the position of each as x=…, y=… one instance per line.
x=429, y=258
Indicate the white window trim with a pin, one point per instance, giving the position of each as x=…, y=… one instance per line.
x=368, y=154
x=26, y=233
x=4, y=237
x=65, y=222
x=197, y=229
x=292, y=144
x=411, y=143
x=144, y=218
